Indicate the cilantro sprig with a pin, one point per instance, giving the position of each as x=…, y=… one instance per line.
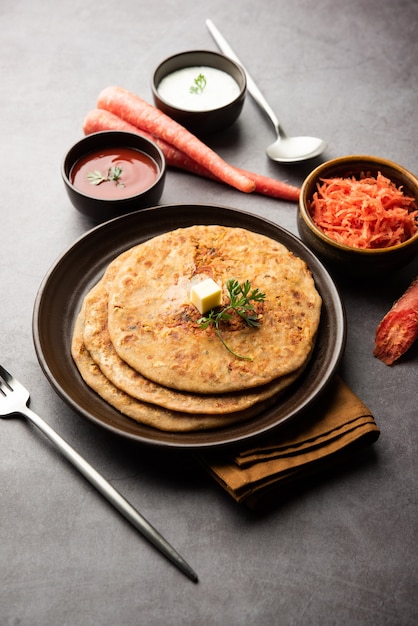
x=241, y=302
x=199, y=84
x=113, y=174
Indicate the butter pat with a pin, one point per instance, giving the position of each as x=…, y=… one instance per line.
x=206, y=295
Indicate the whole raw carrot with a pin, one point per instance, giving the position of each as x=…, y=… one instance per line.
x=272, y=187
x=399, y=328
x=99, y=119
x=135, y=110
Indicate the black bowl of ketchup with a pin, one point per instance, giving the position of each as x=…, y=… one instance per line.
x=111, y=173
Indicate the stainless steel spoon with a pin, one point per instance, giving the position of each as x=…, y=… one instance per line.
x=284, y=149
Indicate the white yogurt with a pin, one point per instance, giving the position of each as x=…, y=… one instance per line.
x=220, y=88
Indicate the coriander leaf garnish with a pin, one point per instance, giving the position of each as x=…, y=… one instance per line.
x=241, y=299
x=199, y=84
x=113, y=174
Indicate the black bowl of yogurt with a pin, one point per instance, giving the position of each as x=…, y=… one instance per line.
x=202, y=90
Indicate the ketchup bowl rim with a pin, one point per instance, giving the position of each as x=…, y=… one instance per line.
x=69, y=161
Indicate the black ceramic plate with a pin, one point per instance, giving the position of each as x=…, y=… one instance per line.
x=79, y=268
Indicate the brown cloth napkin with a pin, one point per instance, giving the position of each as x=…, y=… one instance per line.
x=335, y=427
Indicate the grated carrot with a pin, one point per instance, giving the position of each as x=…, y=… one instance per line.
x=369, y=212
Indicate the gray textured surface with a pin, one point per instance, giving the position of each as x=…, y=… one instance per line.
x=343, y=549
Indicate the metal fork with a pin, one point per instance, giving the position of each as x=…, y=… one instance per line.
x=14, y=399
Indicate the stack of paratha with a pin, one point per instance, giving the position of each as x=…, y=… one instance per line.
x=137, y=341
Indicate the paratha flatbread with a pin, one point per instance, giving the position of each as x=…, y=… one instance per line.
x=153, y=326
x=98, y=343
x=147, y=414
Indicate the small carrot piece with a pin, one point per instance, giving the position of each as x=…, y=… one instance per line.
x=135, y=110
x=99, y=119
x=399, y=328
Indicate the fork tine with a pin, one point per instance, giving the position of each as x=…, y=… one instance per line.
x=11, y=382
x=13, y=391
x=5, y=380
x=4, y=374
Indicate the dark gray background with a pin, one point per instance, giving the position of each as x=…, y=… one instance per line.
x=342, y=550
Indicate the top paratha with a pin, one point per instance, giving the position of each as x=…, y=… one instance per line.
x=97, y=341
x=153, y=326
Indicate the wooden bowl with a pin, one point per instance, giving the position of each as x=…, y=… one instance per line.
x=351, y=260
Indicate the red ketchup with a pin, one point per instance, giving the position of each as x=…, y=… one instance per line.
x=114, y=173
